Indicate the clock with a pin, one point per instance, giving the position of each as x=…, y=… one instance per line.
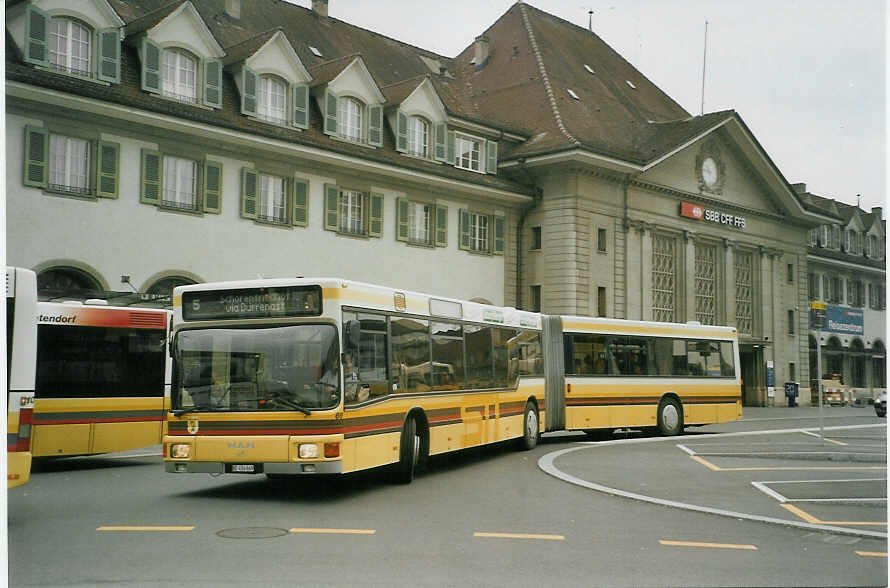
x=709, y=172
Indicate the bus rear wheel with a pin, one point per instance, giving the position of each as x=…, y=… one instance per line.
x=531, y=429
x=670, y=417
x=409, y=452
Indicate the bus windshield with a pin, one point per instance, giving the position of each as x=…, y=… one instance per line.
x=282, y=368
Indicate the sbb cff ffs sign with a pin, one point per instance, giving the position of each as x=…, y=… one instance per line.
x=699, y=212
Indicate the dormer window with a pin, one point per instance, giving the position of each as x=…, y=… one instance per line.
x=69, y=46
x=468, y=153
x=180, y=76
x=418, y=136
x=272, y=100
x=349, y=119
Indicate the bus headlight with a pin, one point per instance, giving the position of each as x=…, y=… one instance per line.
x=180, y=450
x=308, y=451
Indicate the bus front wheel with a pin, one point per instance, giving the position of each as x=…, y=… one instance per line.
x=530, y=427
x=409, y=452
x=670, y=417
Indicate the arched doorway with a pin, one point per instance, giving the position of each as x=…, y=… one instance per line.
x=63, y=281
x=833, y=360
x=857, y=364
x=878, y=365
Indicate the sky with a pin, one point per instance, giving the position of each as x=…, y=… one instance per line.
x=808, y=77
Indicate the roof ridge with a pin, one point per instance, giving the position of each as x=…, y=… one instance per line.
x=523, y=10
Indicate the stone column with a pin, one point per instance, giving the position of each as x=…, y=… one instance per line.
x=645, y=270
x=689, y=278
x=729, y=281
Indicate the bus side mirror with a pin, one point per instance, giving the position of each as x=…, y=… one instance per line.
x=353, y=334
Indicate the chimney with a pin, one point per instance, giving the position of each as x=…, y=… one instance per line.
x=480, y=51
x=233, y=8
x=799, y=188
x=878, y=211
x=320, y=7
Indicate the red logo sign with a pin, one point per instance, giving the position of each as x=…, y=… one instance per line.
x=690, y=210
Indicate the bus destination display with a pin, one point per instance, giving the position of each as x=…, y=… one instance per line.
x=252, y=303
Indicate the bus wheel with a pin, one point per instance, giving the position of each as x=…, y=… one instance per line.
x=409, y=452
x=670, y=418
x=530, y=428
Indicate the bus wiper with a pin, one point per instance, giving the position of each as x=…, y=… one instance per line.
x=291, y=404
x=182, y=411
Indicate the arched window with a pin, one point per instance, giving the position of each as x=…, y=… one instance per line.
x=61, y=281
x=350, y=119
x=418, y=136
x=69, y=46
x=163, y=288
x=272, y=100
x=180, y=75
x=878, y=365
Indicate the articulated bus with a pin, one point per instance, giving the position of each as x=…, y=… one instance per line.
x=330, y=376
x=21, y=360
x=102, y=378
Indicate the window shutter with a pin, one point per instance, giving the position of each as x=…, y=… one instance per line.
x=375, y=215
x=824, y=241
x=441, y=226
x=491, y=155
x=248, y=92
x=452, y=157
x=152, y=172
x=331, y=207
x=464, y=242
x=213, y=83
x=212, y=186
x=109, y=55
x=107, y=166
x=300, y=93
x=151, y=66
x=36, y=34
x=402, y=206
x=330, y=113
x=498, y=245
x=401, y=131
x=249, y=192
x=375, y=125
x=36, y=156
x=441, y=153
x=301, y=202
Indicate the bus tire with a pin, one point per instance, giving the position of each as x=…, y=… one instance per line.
x=409, y=452
x=670, y=417
x=531, y=428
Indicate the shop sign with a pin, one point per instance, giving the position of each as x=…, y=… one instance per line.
x=850, y=321
x=699, y=212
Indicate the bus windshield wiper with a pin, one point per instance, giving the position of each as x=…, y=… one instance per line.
x=182, y=411
x=291, y=404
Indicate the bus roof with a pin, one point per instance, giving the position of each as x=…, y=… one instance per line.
x=586, y=324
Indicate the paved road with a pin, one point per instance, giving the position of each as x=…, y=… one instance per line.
x=484, y=517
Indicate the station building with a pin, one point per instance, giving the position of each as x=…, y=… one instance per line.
x=152, y=143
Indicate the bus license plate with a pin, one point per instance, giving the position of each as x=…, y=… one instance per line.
x=243, y=468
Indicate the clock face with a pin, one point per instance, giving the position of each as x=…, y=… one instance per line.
x=709, y=171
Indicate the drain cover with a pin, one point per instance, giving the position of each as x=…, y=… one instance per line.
x=252, y=533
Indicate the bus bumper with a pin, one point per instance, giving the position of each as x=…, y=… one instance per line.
x=18, y=468
x=303, y=468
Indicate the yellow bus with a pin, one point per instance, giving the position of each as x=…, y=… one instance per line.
x=330, y=376
x=21, y=360
x=102, y=374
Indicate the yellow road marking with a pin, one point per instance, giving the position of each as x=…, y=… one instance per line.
x=871, y=554
x=811, y=519
x=835, y=442
x=521, y=536
x=336, y=531
x=122, y=528
x=713, y=545
x=717, y=468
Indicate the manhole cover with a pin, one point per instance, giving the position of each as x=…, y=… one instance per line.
x=252, y=533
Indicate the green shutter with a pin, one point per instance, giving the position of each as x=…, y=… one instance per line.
x=301, y=202
x=249, y=192
x=36, y=34
x=300, y=93
x=248, y=92
x=401, y=131
x=452, y=157
x=213, y=83
x=36, y=156
x=441, y=226
x=441, y=153
x=375, y=125
x=330, y=113
x=151, y=66
x=464, y=242
x=109, y=55
x=491, y=156
x=107, y=169
x=331, y=207
x=498, y=244
x=402, y=219
x=375, y=216
x=213, y=186
x=152, y=177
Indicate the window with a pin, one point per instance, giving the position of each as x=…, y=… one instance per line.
x=411, y=368
x=663, y=278
x=744, y=292
x=447, y=366
x=482, y=233
x=69, y=165
x=364, y=368
x=536, y=238
x=349, y=116
x=705, y=284
x=791, y=319
x=813, y=286
x=419, y=222
x=180, y=183
x=353, y=212
x=534, y=303
x=601, y=240
x=601, y=301
x=272, y=100
x=876, y=294
x=69, y=46
x=478, y=232
x=792, y=372
x=272, y=203
x=180, y=76
x=790, y=273
x=468, y=153
x=856, y=293
x=418, y=136
x=813, y=237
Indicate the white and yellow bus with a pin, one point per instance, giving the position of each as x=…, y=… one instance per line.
x=21, y=361
x=328, y=376
x=102, y=378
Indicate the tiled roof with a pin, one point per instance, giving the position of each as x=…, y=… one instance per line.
x=848, y=257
